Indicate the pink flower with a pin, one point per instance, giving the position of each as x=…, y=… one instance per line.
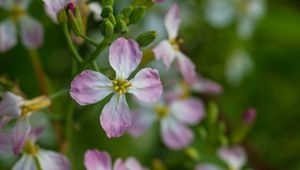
x=31, y=30
x=90, y=87
x=208, y=166
x=174, y=117
x=168, y=50
x=96, y=160
x=235, y=157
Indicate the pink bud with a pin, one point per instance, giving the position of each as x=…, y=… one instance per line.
x=71, y=6
x=249, y=115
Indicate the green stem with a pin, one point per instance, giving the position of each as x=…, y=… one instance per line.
x=37, y=163
x=59, y=93
x=70, y=43
x=90, y=40
x=95, y=66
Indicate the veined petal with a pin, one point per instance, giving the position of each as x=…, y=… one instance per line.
x=115, y=117
x=89, y=87
x=165, y=52
x=20, y=134
x=96, y=9
x=172, y=21
x=141, y=121
x=203, y=85
x=4, y=120
x=146, y=85
x=208, y=167
x=25, y=163
x=119, y=165
x=50, y=160
x=96, y=160
x=53, y=7
x=186, y=68
x=189, y=110
x=5, y=143
x=124, y=57
x=10, y=105
x=32, y=32
x=175, y=134
x=8, y=35
x=235, y=157
x=132, y=164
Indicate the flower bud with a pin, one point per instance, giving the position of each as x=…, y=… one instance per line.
x=212, y=111
x=146, y=38
x=74, y=19
x=106, y=28
x=137, y=14
x=106, y=11
x=249, y=116
x=62, y=17
x=107, y=2
x=112, y=19
x=126, y=12
x=121, y=26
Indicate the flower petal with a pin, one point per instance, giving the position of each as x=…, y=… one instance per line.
x=165, y=52
x=208, y=167
x=189, y=110
x=186, y=68
x=115, y=117
x=141, y=121
x=172, y=21
x=25, y=163
x=175, y=134
x=96, y=160
x=132, y=164
x=20, y=134
x=5, y=143
x=50, y=160
x=203, y=85
x=21, y=3
x=56, y=5
x=124, y=57
x=8, y=35
x=32, y=32
x=234, y=157
x=119, y=165
x=4, y=120
x=10, y=105
x=146, y=85
x=96, y=9
x=90, y=87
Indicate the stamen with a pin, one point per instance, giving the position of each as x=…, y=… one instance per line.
x=35, y=104
x=30, y=148
x=161, y=111
x=121, y=86
x=16, y=13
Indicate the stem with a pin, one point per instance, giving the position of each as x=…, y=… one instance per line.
x=59, y=93
x=95, y=66
x=70, y=43
x=90, y=40
x=38, y=69
x=37, y=163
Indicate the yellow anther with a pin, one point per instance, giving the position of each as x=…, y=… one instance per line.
x=161, y=111
x=35, y=104
x=16, y=13
x=30, y=148
x=121, y=86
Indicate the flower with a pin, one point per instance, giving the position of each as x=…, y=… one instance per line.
x=168, y=50
x=235, y=156
x=31, y=30
x=90, y=87
x=97, y=160
x=47, y=160
x=174, y=117
x=208, y=166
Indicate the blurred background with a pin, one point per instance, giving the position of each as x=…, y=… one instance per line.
x=257, y=68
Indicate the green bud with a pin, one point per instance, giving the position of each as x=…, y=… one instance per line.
x=192, y=153
x=75, y=21
x=112, y=19
x=106, y=28
x=137, y=14
x=62, y=17
x=107, y=2
x=146, y=38
x=106, y=11
x=121, y=26
x=126, y=12
x=213, y=112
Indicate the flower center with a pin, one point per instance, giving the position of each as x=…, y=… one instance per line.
x=30, y=148
x=161, y=111
x=16, y=13
x=35, y=104
x=175, y=44
x=121, y=86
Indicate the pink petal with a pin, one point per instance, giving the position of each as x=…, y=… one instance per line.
x=50, y=160
x=132, y=164
x=20, y=134
x=208, y=167
x=186, y=68
x=89, y=87
x=96, y=160
x=175, y=134
x=5, y=143
x=51, y=13
x=32, y=32
x=119, y=165
x=172, y=21
x=8, y=35
x=189, y=110
x=26, y=162
x=165, y=52
x=203, y=85
x=124, y=57
x=141, y=121
x=115, y=117
x=10, y=105
x=4, y=120
x=56, y=5
x=146, y=85
x=235, y=157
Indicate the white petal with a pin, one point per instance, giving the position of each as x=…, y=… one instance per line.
x=165, y=52
x=50, y=160
x=25, y=163
x=172, y=21
x=8, y=35
x=96, y=9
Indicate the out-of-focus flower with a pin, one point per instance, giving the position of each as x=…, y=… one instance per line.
x=90, y=87
x=168, y=50
x=158, y=1
x=96, y=160
x=235, y=157
x=31, y=30
x=208, y=166
x=13, y=106
x=174, y=117
x=34, y=156
x=249, y=116
x=246, y=12
x=238, y=66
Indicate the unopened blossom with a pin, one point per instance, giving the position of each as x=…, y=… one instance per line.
x=13, y=106
x=48, y=160
x=31, y=30
x=235, y=157
x=249, y=116
x=174, y=117
x=169, y=50
x=97, y=160
x=89, y=86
